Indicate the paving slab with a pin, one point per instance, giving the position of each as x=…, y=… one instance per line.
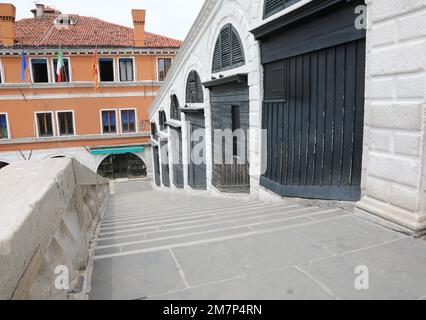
x=258, y=251
x=135, y=277
x=396, y=270
x=282, y=284
x=217, y=261
x=338, y=237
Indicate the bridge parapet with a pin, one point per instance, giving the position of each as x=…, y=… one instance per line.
x=49, y=211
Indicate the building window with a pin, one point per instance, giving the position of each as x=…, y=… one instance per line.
x=164, y=65
x=45, y=124
x=194, y=89
x=154, y=132
x=65, y=76
x=106, y=69
x=162, y=119
x=4, y=129
x=40, y=70
x=66, y=123
x=128, y=121
x=228, y=52
x=274, y=6
x=126, y=69
x=109, y=122
x=175, y=108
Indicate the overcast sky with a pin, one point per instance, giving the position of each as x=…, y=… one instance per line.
x=171, y=18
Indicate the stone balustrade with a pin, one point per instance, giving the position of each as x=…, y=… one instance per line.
x=49, y=210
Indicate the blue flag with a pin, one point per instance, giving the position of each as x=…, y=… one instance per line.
x=23, y=65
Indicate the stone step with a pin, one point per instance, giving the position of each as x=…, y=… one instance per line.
x=200, y=237
x=205, y=217
x=237, y=214
x=138, y=208
x=208, y=230
x=188, y=212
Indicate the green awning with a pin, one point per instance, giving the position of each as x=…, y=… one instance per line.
x=118, y=150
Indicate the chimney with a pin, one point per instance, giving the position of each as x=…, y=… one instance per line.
x=139, y=27
x=41, y=11
x=7, y=24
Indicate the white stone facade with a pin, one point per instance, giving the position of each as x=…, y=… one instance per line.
x=394, y=160
x=395, y=120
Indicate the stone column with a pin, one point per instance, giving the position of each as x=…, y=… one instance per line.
x=394, y=139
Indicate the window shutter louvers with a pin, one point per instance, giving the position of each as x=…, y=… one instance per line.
x=175, y=108
x=194, y=89
x=274, y=6
x=228, y=51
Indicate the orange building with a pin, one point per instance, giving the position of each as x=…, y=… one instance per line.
x=47, y=115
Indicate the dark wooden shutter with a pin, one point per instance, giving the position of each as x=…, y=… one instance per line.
x=163, y=120
x=174, y=108
x=216, y=57
x=274, y=6
x=237, y=49
x=228, y=50
x=225, y=39
x=194, y=89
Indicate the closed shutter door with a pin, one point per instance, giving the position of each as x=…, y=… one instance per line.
x=313, y=114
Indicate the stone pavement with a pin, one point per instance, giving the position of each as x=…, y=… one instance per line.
x=157, y=245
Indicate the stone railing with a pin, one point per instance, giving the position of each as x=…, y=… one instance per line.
x=49, y=210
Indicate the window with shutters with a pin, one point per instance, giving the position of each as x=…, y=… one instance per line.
x=274, y=6
x=128, y=121
x=164, y=65
x=228, y=52
x=175, y=108
x=109, y=121
x=162, y=120
x=44, y=122
x=194, y=89
x=65, y=123
x=126, y=69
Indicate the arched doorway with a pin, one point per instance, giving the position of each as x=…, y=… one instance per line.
x=120, y=166
x=3, y=164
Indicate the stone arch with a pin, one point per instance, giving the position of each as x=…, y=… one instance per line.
x=130, y=165
x=239, y=21
x=194, y=89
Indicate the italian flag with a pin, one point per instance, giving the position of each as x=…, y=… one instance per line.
x=60, y=66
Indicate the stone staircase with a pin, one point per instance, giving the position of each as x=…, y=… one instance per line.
x=152, y=220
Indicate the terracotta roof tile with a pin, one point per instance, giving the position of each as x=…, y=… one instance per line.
x=86, y=32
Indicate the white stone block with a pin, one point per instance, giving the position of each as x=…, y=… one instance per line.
x=403, y=58
x=385, y=9
x=412, y=26
x=380, y=140
x=411, y=86
x=405, y=198
x=408, y=143
x=381, y=88
x=395, y=169
x=395, y=115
